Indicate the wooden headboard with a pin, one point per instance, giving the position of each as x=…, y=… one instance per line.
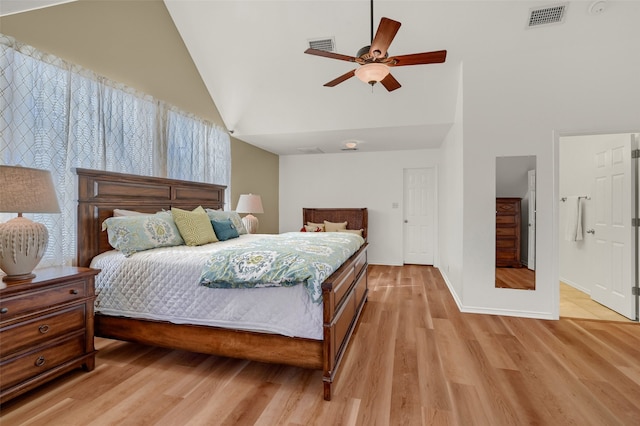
x=355, y=218
x=100, y=192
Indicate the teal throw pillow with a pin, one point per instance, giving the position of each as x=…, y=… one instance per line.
x=225, y=229
x=227, y=215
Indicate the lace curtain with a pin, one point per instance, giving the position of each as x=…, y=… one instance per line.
x=57, y=116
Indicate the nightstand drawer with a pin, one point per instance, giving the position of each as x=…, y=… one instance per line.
x=15, y=370
x=22, y=304
x=36, y=331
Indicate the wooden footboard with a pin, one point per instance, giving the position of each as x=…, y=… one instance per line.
x=344, y=293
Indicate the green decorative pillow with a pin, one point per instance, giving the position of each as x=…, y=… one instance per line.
x=194, y=226
x=131, y=234
x=225, y=229
x=334, y=226
x=234, y=217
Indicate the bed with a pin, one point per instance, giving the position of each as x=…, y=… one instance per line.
x=344, y=293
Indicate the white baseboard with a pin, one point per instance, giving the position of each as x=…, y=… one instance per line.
x=492, y=311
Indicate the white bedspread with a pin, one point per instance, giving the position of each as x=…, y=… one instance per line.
x=162, y=284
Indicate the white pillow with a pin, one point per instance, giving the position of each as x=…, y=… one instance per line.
x=352, y=231
x=334, y=226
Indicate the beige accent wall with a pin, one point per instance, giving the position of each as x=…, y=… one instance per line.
x=136, y=43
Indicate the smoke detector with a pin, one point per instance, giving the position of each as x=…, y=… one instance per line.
x=597, y=7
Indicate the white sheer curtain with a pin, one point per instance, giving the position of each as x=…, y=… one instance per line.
x=197, y=151
x=57, y=116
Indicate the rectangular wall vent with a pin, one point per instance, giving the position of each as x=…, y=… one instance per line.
x=326, y=44
x=547, y=15
x=311, y=150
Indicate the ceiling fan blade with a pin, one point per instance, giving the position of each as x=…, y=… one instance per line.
x=418, y=58
x=384, y=36
x=390, y=83
x=340, y=79
x=331, y=55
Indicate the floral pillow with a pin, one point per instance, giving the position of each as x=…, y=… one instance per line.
x=219, y=215
x=316, y=225
x=131, y=234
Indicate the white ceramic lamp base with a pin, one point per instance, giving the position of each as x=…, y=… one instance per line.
x=251, y=223
x=22, y=245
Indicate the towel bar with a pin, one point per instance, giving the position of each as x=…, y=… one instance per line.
x=586, y=197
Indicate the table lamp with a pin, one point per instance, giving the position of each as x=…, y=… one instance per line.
x=250, y=203
x=22, y=241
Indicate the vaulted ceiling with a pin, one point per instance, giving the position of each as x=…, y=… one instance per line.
x=271, y=94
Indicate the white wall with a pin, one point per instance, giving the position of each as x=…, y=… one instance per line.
x=516, y=104
x=353, y=179
x=576, y=178
x=450, y=202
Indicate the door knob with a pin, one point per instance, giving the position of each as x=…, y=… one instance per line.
x=591, y=231
x=406, y=221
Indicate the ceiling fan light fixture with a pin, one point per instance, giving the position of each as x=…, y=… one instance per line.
x=372, y=73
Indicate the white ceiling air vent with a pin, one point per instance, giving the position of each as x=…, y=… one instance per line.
x=311, y=150
x=327, y=44
x=547, y=15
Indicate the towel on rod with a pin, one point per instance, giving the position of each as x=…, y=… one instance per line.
x=573, y=231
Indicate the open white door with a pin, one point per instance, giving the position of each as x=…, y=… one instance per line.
x=419, y=214
x=614, y=204
x=531, y=252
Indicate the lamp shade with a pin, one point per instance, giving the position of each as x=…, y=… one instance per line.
x=372, y=73
x=26, y=190
x=22, y=241
x=249, y=203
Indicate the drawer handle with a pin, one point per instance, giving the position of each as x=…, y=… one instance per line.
x=74, y=291
x=40, y=361
x=4, y=310
x=43, y=328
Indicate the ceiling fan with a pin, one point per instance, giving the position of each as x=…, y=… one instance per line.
x=374, y=59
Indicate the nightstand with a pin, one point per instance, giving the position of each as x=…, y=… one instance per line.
x=46, y=328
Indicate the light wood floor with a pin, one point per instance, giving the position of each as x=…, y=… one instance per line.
x=578, y=304
x=414, y=359
x=573, y=302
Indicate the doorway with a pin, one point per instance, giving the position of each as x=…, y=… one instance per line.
x=597, y=243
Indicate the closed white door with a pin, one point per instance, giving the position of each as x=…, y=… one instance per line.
x=419, y=216
x=613, y=202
